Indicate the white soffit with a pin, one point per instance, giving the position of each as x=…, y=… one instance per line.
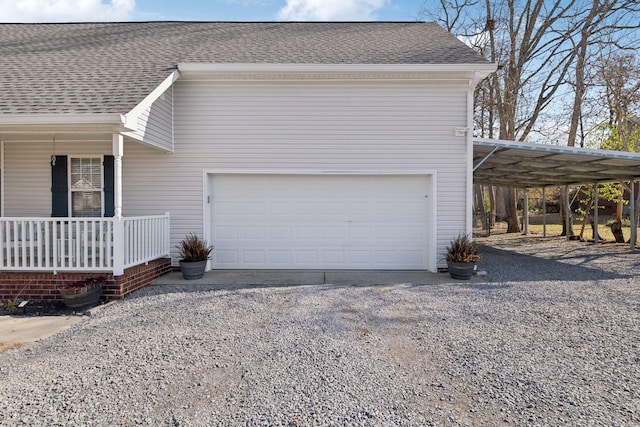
x=527, y=165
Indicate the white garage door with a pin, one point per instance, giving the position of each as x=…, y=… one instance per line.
x=321, y=222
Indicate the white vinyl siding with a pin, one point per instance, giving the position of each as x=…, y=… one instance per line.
x=325, y=126
x=342, y=127
x=155, y=124
x=27, y=174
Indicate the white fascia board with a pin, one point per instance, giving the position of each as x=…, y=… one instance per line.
x=132, y=116
x=35, y=123
x=334, y=71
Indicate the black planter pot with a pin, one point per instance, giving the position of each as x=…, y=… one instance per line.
x=192, y=270
x=460, y=270
x=81, y=298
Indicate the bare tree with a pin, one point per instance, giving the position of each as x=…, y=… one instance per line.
x=538, y=45
x=619, y=75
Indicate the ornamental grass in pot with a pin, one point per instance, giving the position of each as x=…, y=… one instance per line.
x=194, y=254
x=462, y=255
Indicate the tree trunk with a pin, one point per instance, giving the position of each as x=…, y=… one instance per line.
x=485, y=212
x=563, y=216
x=492, y=202
x=511, y=207
x=584, y=223
x=620, y=205
x=478, y=207
x=478, y=200
x=616, y=229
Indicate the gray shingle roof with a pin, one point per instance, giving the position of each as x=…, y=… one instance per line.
x=111, y=67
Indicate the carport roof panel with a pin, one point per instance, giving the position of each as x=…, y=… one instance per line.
x=523, y=164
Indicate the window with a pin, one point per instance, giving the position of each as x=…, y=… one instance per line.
x=85, y=192
x=83, y=186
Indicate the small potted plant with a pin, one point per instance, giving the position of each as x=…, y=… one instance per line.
x=82, y=293
x=462, y=256
x=194, y=253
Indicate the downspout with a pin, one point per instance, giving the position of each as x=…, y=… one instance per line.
x=469, y=134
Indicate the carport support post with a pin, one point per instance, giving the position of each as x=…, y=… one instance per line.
x=632, y=212
x=544, y=212
x=567, y=211
x=525, y=214
x=596, y=232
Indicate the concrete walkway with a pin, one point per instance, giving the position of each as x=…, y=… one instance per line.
x=17, y=329
x=234, y=278
x=24, y=329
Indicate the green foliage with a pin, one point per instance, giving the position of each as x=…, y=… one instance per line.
x=9, y=306
x=626, y=222
x=463, y=249
x=616, y=141
x=193, y=249
x=608, y=191
x=610, y=136
x=487, y=202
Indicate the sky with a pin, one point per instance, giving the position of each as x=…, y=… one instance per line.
x=208, y=10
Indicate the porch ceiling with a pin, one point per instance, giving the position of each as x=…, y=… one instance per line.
x=524, y=165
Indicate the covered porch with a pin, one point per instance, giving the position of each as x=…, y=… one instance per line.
x=47, y=241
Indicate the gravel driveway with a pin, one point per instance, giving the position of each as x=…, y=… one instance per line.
x=550, y=336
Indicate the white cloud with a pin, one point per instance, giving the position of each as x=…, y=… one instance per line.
x=66, y=10
x=330, y=10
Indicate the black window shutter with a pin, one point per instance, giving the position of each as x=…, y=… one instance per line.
x=59, y=187
x=109, y=184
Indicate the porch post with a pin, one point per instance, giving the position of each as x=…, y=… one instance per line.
x=118, y=222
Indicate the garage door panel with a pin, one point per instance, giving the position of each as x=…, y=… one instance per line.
x=280, y=258
x=280, y=233
x=335, y=233
x=226, y=232
x=281, y=208
x=341, y=222
x=253, y=209
x=253, y=233
x=230, y=209
x=226, y=257
x=333, y=209
x=253, y=257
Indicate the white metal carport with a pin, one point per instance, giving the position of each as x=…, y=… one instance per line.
x=527, y=165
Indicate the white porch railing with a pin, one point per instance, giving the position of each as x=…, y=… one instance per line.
x=145, y=238
x=81, y=244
